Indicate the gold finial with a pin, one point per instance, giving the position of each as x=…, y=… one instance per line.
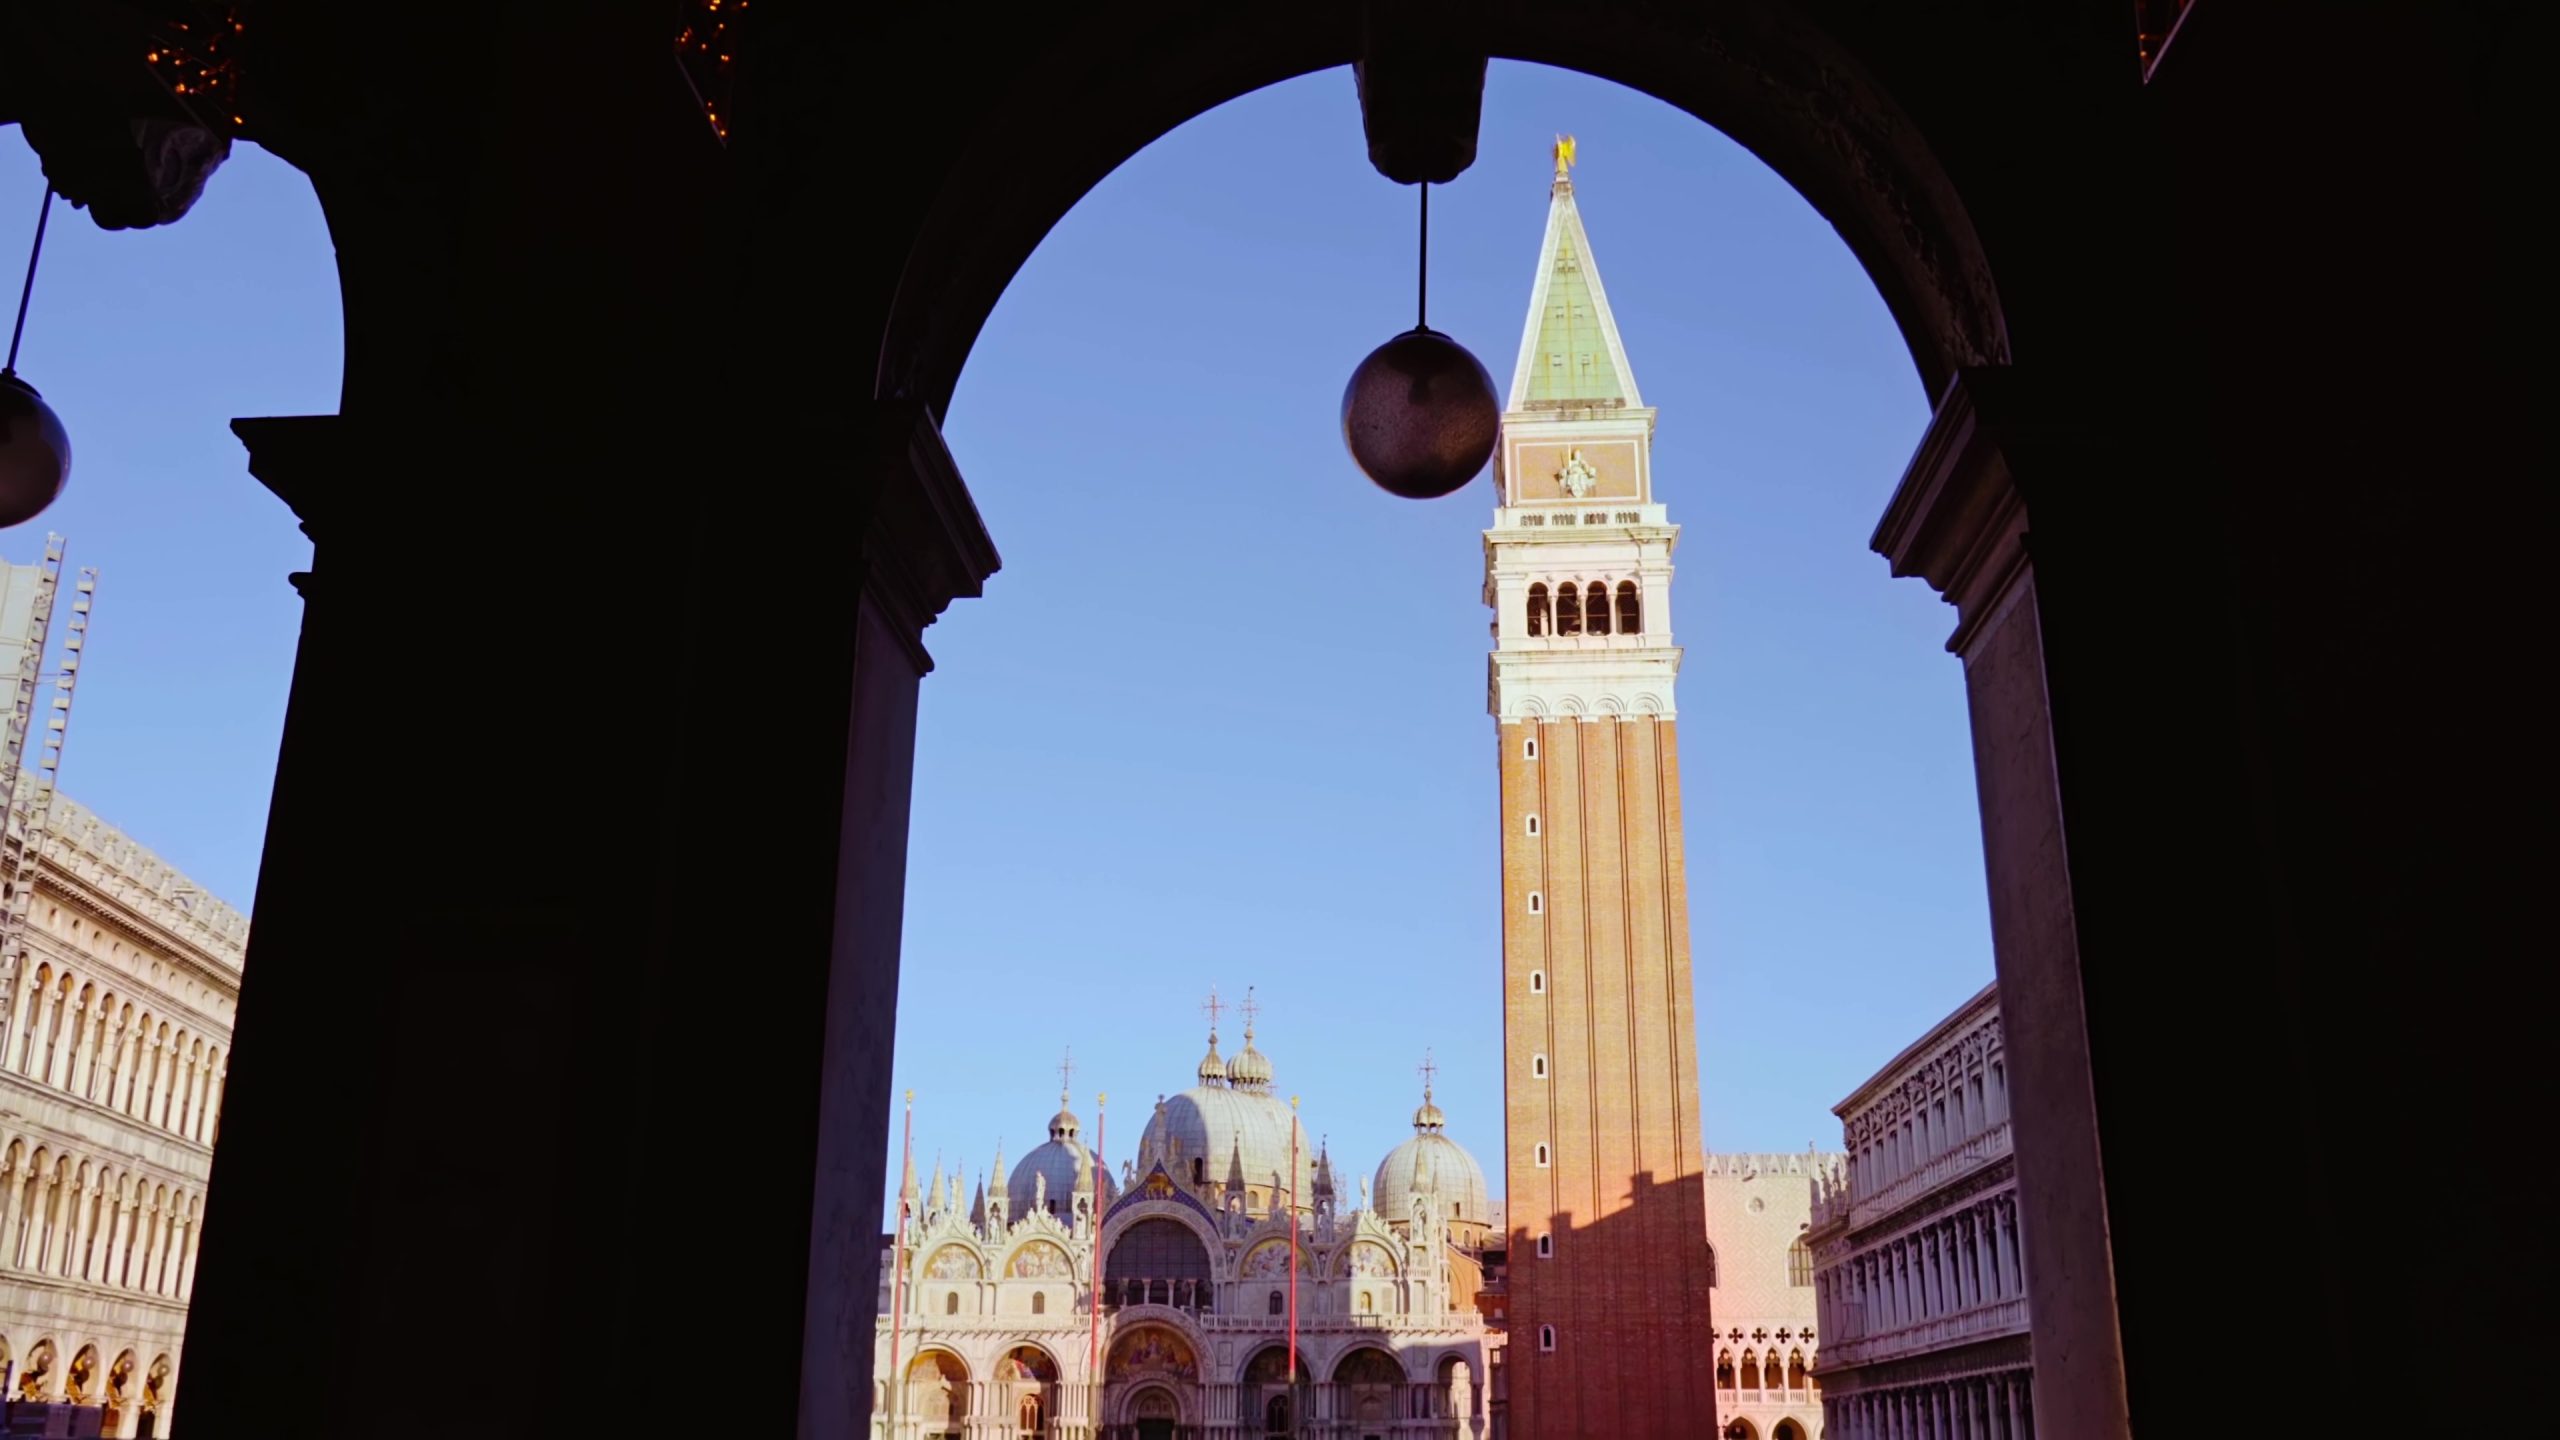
x=1564, y=155
x=911, y=1099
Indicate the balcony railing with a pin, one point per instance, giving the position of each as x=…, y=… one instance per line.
x=2000, y=1317
x=1972, y=1155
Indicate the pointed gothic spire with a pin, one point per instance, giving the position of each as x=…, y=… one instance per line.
x=933, y=1192
x=1570, y=355
x=1235, y=1166
x=978, y=1204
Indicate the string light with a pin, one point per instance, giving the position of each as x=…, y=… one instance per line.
x=194, y=58
x=705, y=47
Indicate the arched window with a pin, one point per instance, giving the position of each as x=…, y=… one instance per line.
x=1547, y=1337
x=1750, y=1370
x=951, y=1303
x=1595, y=608
x=1529, y=748
x=1799, y=1263
x=1537, y=982
x=1027, y=1419
x=1277, y=1304
x=1537, y=903
x=1537, y=626
x=1795, y=1370
x=1546, y=1247
x=1533, y=824
x=1538, y=1066
x=1542, y=1154
x=1275, y=1416
x=1157, y=1254
x=1039, y=1302
x=1630, y=609
x=1368, y=1302
x=1724, y=1369
x=1568, y=609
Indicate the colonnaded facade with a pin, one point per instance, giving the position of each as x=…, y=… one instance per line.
x=117, y=1036
x=1918, y=1267
x=999, y=1322
x=1759, y=1219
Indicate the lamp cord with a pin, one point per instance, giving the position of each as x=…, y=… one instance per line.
x=1421, y=269
x=27, y=291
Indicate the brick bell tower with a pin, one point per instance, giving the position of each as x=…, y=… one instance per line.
x=1609, y=1268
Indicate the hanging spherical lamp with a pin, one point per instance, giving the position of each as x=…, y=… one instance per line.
x=35, y=451
x=1420, y=415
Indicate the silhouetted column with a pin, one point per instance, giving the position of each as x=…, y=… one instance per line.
x=1959, y=521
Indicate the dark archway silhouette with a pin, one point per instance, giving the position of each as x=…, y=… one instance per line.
x=2209, y=340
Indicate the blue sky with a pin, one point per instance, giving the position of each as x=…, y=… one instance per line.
x=1220, y=719
x=148, y=343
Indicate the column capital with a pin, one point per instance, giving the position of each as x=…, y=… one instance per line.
x=1957, y=520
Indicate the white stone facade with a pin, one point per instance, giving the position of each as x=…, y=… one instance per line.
x=1759, y=1215
x=115, y=1036
x=995, y=1330
x=118, y=1036
x=1918, y=1266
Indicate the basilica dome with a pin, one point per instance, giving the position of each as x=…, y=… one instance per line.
x=1213, y=1129
x=1061, y=1160
x=1431, y=1158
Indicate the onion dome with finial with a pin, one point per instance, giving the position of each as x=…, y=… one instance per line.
x=1213, y=1070
x=1431, y=1158
x=1064, y=1161
x=1236, y=1125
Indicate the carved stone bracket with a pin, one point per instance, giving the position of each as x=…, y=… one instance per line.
x=1957, y=520
x=924, y=545
x=294, y=456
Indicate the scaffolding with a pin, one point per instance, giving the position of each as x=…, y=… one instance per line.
x=26, y=812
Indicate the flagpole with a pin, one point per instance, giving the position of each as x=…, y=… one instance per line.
x=1093, y=1340
x=1293, y=1258
x=898, y=1274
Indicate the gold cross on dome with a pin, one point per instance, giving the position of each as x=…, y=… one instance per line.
x=1428, y=1069
x=1213, y=1007
x=1251, y=1007
x=1067, y=1070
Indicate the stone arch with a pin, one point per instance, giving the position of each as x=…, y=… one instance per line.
x=1766, y=76
x=954, y=1260
x=1787, y=1429
x=1266, y=1366
x=1154, y=1349
x=1741, y=1429
x=1028, y=1360
x=1038, y=1259
x=1368, y=1365
x=938, y=1387
x=36, y=1377
x=1159, y=1259
x=81, y=1376
x=158, y=1384
x=1153, y=1401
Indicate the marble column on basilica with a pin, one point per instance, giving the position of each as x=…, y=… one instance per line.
x=1958, y=519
